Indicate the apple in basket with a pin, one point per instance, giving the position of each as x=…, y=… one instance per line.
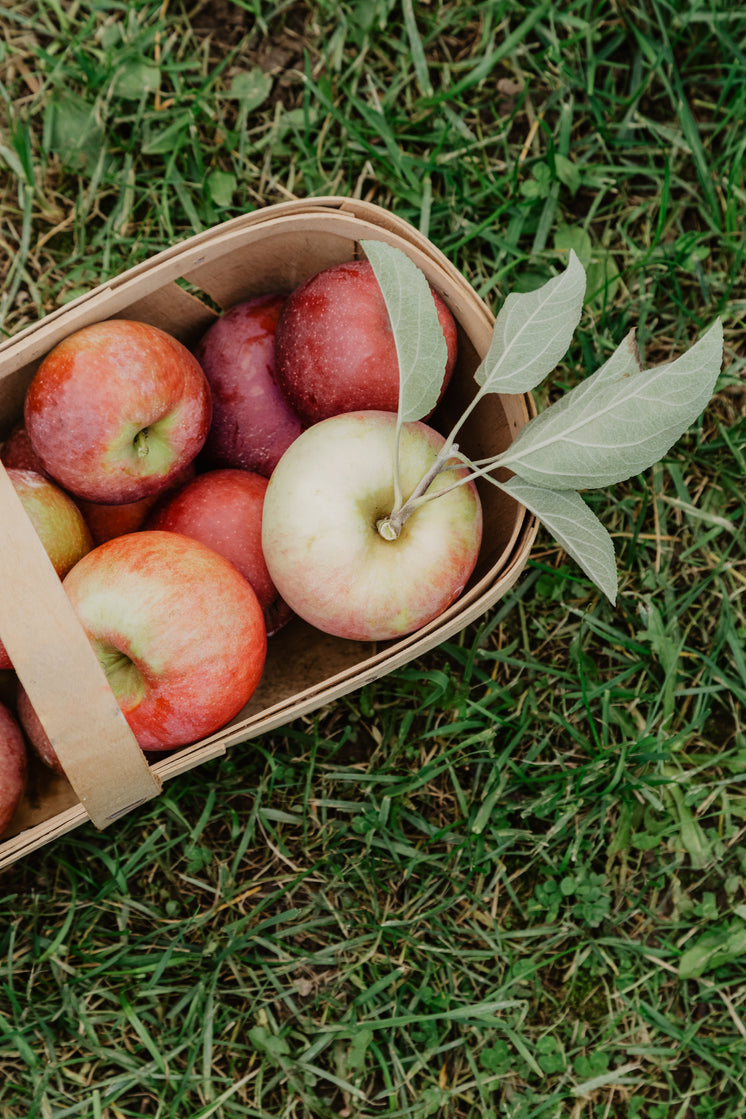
x=223, y=509
x=372, y=521
x=335, y=350
x=116, y=409
x=178, y=631
x=252, y=422
x=333, y=560
x=58, y=522
x=12, y=766
x=107, y=521
x=18, y=452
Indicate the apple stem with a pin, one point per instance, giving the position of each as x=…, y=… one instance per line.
x=481, y=468
x=390, y=527
x=141, y=443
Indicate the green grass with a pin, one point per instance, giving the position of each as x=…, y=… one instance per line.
x=507, y=880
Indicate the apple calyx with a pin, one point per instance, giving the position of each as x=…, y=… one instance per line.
x=124, y=676
x=390, y=527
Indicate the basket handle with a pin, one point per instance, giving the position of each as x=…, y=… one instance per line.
x=62, y=676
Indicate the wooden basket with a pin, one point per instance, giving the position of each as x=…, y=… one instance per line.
x=272, y=249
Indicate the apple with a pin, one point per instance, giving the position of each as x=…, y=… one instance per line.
x=116, y=409
x=334, y=347
x=325, y=525
x=252, y=422
x=104, y=521
x=58, y=522
x=37, y=736
x=178, y=631
x=13, y=766
x=18, y=452
x=108, y=521
x=223, y=509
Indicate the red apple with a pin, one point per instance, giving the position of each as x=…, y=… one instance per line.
x=252, y=422
x=58, y=522
x=335, y=350
x=178, y=631
x=322, y=537
x=108, y=521
x=116, y=410
x=12, y=766
x=36, y=734
x=18, y=452
x=223, y=509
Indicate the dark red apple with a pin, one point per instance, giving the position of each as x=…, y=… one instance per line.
x=12, y=766
x=252, y=422
x=223, y=509
x=117, y=409
x=334, y=347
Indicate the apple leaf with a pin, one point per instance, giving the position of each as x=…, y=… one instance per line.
x=574, y=526
x=420, y=345
x=532, y=332
x=624, y=362
x=617, y=424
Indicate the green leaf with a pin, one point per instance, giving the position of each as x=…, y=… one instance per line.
x=13, y=161
x=623, y=363
x=574, y=237
x=251, y=88
x=420, y=344
x=574, y=526
x=354, y=1058
x=567, y=172
x=73, y=131
x=169, y=138
x=604, y=279
x=269, y=1043
x=136, y=77
x=532, y=332
x=222, y=186
x=693, y=838
x=713, y=950
x=618, y=422
x=538, y=185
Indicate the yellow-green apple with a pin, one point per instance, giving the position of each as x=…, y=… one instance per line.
x=116, y=409
x=335, y=349
x=58, y=522
x=178, y=631
x=223, y=509
x=336, y=555
x=12, y=766
x=252, y=422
